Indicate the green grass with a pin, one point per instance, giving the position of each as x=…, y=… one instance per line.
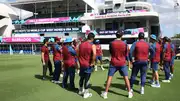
x=19, y=81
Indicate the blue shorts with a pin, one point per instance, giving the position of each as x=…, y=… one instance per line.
x=84, y=71
x=154, y=66
x=98, y=58
x=123, y=70
x=172, y=60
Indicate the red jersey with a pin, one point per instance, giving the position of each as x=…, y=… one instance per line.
x=68, y=56
x=119, y=52
x=157, y=49
x=141, y=50
x=167, y=52
x=98, y=50
x=85, y=54
x=45, y=50
x=57, y=55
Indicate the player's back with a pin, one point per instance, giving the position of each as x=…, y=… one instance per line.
x=141, y=51
x=85, y=54
x=118, y=53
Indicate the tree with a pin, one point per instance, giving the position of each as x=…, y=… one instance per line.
x=176, y=36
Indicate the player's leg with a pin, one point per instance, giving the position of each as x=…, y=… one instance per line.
x=95, y=67
x=155, y=70
x=143, y=68
x=166, y=71
x=45, y=66
x=124, y=72
x=87, y=94
x=101, y=62
x=111, y=72
x=152, y=81
x=50, y=68
x=65, y=78
x=81, y=81
x=56, y=72
x=172, y=66
x=72, y=77
x=134, y=73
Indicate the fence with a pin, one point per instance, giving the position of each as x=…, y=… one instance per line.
x=20, y=48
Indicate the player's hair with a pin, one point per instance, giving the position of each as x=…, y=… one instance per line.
x=90, y=36
x=141, y=35
x=119, y=34
x=45, y=40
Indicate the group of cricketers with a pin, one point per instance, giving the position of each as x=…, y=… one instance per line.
x=72, y=54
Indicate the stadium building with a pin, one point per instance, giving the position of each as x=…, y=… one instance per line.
x=37, y=19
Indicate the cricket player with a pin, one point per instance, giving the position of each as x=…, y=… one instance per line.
x=119, y=52
x=45, y=59
x=155, y=62
x=173, y=55
x=69, y=63
x=140, y=50
x=87, y=56
x=166, y=59
x=99, y=55
x=57, y=58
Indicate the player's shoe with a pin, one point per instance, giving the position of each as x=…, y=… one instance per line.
x=61, y=75
x=57, y=82
x=156, y=85
x=130, y=95
x=152, y=82
x=142, y=90
x=87, y=95
x=102, y=67
x=81, y=91
x=95, y=68
x=104, y=95
x=166, y=81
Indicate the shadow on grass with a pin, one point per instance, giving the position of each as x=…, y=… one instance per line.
x=99, y=90
x=74, y=90
x=37, y=76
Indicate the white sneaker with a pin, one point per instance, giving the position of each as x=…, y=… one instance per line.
x=57, y=82
x=81, y=91
x=151, y=82
x=87, y=95
x=52, y=81
x=95, y=68
x=61, y=75
x=130, y=95
x=156, y=85
x=104, y=95
x=166, y=81
x=172, y=75
x=142, y=90
x=131, y=90
x=102, y=68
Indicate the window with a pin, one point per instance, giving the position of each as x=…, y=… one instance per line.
x=109, y=26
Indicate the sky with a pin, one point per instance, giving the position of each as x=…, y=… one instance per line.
x=169, y=17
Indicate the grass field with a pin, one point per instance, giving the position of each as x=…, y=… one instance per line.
x=20, y=81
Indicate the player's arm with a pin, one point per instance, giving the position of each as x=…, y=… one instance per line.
x=127, y=56
x=42, y=56
x=101, y=51
x=94, y=55
x=152, y=51
x=72, y=51
x=131, y=52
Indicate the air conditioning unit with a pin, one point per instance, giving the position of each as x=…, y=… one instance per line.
x=118, y=5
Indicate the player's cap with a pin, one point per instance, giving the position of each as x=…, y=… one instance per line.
x=153, y=37
x=67, y=40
